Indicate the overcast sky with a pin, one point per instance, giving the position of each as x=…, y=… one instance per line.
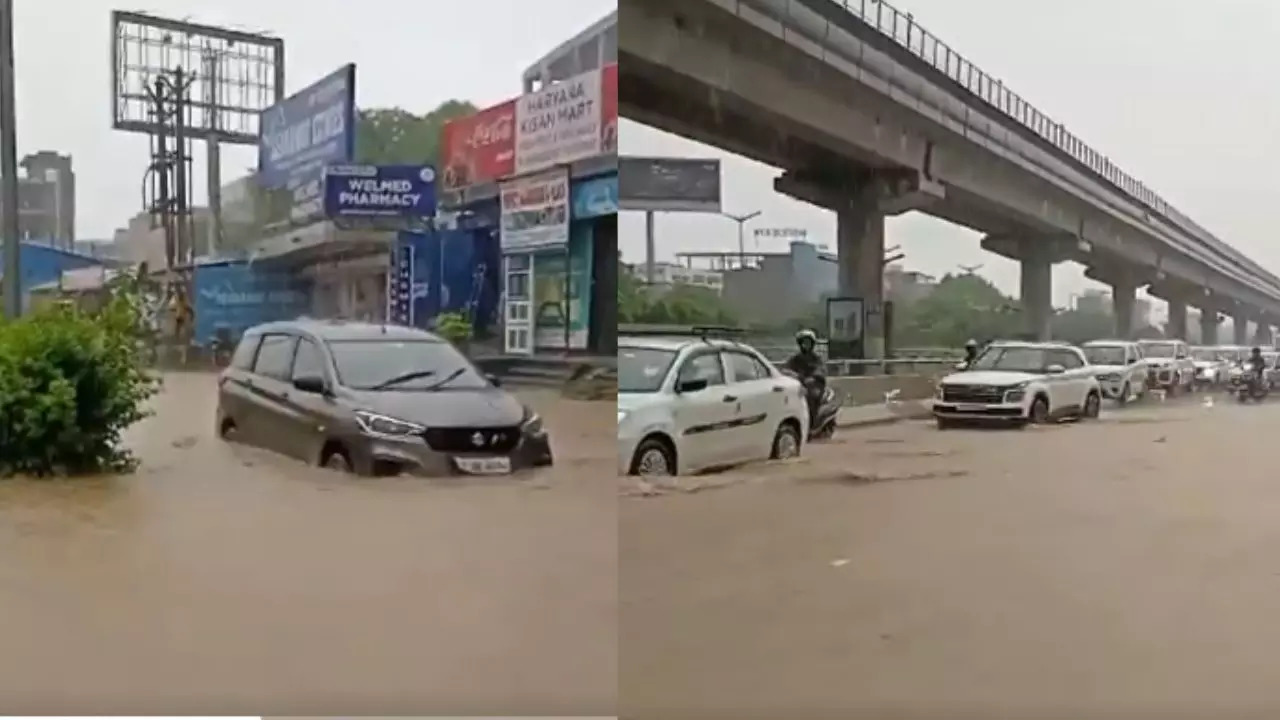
x=411, y=53
x=1180, y=93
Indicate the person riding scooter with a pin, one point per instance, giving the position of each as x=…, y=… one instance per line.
x=808, y=367
x=1257, y=365
x=970, y=352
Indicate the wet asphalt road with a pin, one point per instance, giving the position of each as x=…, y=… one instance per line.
x=224, y=580
x=1126, y=565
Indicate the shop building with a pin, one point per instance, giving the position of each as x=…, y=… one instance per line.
x=553, y=174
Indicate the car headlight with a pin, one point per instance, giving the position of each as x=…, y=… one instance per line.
x=1015, y=393
x=1110, y=377
x=532, y=423
x=382, y=425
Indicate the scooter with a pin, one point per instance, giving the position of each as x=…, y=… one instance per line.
x=1252, y=388
x=824, y=408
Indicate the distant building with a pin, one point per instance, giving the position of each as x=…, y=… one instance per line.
x=903, y=287
x=672, y=274
x=47, y=199
x=592, y=48
x=1093, y=301
x=772, y=288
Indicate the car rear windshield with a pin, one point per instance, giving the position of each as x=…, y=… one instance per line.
x=642, y=370
x=1012, y=359
x=1105, y=355
x=402, y=365
x=1159, y=350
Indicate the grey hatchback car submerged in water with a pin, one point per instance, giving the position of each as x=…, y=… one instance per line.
x=373, y=400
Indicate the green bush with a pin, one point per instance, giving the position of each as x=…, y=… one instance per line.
x=71, y=381
x=454, y=327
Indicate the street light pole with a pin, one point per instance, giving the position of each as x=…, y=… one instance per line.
x=742, y=221
x=9, y=231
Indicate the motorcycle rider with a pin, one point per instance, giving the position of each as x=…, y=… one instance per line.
x=808, y=367
x=970, y=352
x=1257, y=365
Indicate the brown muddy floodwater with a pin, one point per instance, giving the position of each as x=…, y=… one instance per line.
x=224, y=580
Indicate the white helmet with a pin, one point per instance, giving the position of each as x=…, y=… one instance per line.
x=807, y=334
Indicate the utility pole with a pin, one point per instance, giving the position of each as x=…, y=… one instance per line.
x=742, y=221
x=11, y=235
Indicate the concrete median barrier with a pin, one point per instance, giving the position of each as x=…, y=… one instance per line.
x=873, y=389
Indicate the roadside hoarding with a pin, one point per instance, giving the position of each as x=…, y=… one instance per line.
x=560, y=123
x=535, y=211
x=669, y=184
x=609, y=110
x=379, y=191
x=479, y=148
x=305, y=132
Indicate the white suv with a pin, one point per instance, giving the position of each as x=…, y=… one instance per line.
x=1120, y=368
x=1169, y=365
x=1019, y=383
x=691, y=404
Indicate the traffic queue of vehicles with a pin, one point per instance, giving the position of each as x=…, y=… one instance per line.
x=691, y=403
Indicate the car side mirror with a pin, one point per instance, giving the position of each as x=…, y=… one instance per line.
x=494, y=380
x=691, y=385
x=1055, y=369
x=313, y=384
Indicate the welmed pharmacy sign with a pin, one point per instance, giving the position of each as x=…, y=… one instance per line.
x=560, y=123
x=379, y=191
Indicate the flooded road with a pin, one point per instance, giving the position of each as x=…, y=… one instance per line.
x=225, y=580
x=1119, y=568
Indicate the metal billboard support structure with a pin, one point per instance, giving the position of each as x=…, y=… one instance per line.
x=180, y=82
x=9, y=230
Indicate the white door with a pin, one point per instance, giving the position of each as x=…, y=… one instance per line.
x=518, y=304
x=705, y=417
x=762, y=407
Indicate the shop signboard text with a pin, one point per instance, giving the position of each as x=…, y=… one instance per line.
x=559, y=123
x=479, y=148
x=379, y=191
x=535, y=211
x=305, y=132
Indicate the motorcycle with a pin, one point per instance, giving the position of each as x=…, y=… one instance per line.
x=1252, y=387
x=824, y=409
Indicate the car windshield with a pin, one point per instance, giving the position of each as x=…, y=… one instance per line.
x=402, y=365
x=1105, y=354
x=1208, y=354
x=1159, y=350
x=642, y=370
x=1012, y=359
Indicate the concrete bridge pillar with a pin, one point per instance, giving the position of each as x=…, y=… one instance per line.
x=1240, y=329
x=1209, y=320
x=860, y=250
x=1123, y=296
x=1036, y=288
x=1177, y=326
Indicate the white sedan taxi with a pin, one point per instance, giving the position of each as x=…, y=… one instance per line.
x=687, y=404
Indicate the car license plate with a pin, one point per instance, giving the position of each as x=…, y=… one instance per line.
x=484, y=466
x=970, y=408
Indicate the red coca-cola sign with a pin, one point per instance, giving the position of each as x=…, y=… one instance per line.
x=478, y=148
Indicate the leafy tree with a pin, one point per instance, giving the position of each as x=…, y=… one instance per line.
x=389, y=136
x=960, y=307
x=677, y=305
x=1078, y=326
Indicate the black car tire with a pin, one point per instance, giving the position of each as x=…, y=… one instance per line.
x=653, y=447
x=1092, y=406
x=337, y=459
x=787, y=432
x=1039, y=412
x=1125, y=392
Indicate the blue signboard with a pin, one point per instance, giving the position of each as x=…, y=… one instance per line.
x=380, y=191
x=238, y=295
x=594, y=197
x=400, y=285
x=305, y=132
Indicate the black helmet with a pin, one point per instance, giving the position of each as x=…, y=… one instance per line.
x=1256, y=351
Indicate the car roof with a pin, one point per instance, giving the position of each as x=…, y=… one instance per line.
x=1160, y=341
x=675, y=343
x=1107, y=343
x=1029, y=344
x=345, y=330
